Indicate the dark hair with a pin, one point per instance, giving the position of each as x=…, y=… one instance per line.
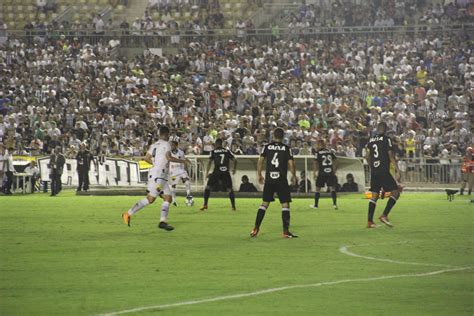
x=278, y=133
x=245, y=178
x=175, y=142
x=164, y=130
x=218, y=142
x=382, y=127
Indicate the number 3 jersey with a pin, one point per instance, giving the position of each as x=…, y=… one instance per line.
x=325, y=159
x=277, y=156
x=379, y=146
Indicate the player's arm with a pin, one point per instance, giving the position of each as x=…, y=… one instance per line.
x=393, y=160
x=148, y=158
x=292, y=167
x=334, y=163
x=315, y=168
x=260, y=163
x=209, y=164
x=235, y=166
x=173, y=159
x=367, y=156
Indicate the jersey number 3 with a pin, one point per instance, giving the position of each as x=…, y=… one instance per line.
x=376, y=150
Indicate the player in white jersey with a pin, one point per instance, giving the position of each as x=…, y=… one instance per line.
x=178, y=173
x=159, y=155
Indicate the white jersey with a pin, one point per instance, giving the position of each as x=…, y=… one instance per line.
x=177, y=168
x=158, y=153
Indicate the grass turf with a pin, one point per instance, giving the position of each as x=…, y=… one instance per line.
x=73, y=255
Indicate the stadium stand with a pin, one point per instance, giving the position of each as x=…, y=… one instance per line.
x=60, y=87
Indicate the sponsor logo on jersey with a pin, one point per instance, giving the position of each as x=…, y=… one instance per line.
x=274, y=175
x=376, y=163
x=327, y=170
x=223, y=168
x=276, y=147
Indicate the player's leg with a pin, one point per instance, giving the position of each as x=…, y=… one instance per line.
x=267, y=198
x=332, y=189
x=470, y=180
x=153, y=192
x=317, y=195
x=284, y=195
x=464, y=183
x=375, y=187
x=167, y=198
x=390, y=185
x=207, y=191
x=228, y=184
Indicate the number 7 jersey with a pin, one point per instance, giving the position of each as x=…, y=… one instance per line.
x=379, y=147
x=277, y=155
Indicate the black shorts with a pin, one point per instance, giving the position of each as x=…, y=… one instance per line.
x=220, y=180
x=282, y=189
x=382, y=181
x=326, y=179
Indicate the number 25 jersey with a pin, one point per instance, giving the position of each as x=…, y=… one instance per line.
x=277, y=156
x=379, y=146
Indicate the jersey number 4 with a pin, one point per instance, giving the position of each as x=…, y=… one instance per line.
x=275, y=161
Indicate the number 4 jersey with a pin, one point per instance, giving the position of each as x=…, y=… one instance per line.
x=378, y=147
x=277, y=156
x=325, y=159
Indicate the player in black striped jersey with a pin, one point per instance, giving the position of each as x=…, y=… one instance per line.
x=278, y=159
x=324, y=164
x=221, y=158
x=379, y=157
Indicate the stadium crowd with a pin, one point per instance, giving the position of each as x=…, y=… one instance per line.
x=62, y=92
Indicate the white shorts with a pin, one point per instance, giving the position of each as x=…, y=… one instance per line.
x=158, y=185
x=174, y=179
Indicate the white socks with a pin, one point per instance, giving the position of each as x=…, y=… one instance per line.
x=138, y=206
x=164, y=211
x=188, y=188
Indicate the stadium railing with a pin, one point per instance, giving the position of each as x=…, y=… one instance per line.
x=141, y=38
x=131, y=171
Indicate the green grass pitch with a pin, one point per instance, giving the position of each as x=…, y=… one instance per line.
x=73, y=256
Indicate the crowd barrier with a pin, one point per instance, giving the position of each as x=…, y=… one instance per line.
x=123, y=172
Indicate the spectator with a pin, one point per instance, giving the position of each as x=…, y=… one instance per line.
x=246, y=186
x=350, y=185
x=305, y=183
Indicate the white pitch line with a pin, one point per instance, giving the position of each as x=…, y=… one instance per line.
x=283, y=288
x=345, y=250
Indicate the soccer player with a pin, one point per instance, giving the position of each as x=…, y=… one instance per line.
x=159, y=155
x=324, y=164
x=278, y=159
x=221, y=158
x=178, y=172
x=379, y=156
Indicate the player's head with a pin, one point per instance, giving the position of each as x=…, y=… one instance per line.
x=321, y=143
x=218, y=143
x=164, y=132
x=381, y=128
x=278, y=134
x=174, y=145
x=245, y=179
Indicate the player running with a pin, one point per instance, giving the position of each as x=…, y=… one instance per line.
x=158, y=155
x=178, y=173
x=379, y=156
x=220, y=176
x=324, y=164
x=278, y=158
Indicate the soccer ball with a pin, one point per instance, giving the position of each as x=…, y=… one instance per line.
x=189, y=201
